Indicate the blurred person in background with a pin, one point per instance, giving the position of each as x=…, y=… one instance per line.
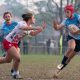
x=48, y=42
x=8, y=25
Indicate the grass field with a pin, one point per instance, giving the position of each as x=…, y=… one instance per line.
x=42, y=67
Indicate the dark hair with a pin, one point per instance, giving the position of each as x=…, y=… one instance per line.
x=27, y=16
x=7, y=13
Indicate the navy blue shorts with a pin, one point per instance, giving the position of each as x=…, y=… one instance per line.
x=77, y=48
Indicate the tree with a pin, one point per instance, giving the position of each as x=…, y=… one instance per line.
x=15, y=7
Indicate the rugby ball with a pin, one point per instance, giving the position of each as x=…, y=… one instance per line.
x=73, y=27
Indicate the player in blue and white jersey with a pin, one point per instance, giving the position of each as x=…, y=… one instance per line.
x=73, y=38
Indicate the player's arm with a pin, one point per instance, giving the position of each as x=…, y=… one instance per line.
x=28, y=28
x=57, y=26
x=78, y=31
x=40, y=29
x=75, y=31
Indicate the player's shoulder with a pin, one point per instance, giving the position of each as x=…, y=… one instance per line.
x=3, y=24
x=76, y=15
x=22, y=23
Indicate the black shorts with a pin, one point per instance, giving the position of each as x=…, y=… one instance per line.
x=77, y=48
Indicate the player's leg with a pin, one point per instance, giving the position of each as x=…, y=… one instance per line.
x=70, y=57
x=6, y=59
x=72, y=54
x=12, y=70
x=70, y=50
x=76, y=50
x=16, y=58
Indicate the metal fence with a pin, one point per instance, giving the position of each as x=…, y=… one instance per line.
x=39, y=48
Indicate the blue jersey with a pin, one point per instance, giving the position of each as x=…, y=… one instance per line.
x=6, y=29
x=76, y=21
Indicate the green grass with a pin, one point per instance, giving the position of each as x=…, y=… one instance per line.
x=42, y=67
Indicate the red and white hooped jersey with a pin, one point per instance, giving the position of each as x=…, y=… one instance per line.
x=17, y=34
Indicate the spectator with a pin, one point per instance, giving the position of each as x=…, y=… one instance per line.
x=48, y=42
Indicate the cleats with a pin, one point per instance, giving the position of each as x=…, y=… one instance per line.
x=15, y=75
x=60, y=66
x=57, y=72
x=12, y=72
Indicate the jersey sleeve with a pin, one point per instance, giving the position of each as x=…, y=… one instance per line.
x=79, y=18
x=63, y=22
x=22, y=24
x=2, y=26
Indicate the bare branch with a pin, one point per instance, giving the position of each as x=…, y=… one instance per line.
x=50, y=10
x=55, y=4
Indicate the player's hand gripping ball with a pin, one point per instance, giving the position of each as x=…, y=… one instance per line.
x=73, y=28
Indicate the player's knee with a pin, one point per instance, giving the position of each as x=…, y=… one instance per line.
x=71, y=49
x=18, y=59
